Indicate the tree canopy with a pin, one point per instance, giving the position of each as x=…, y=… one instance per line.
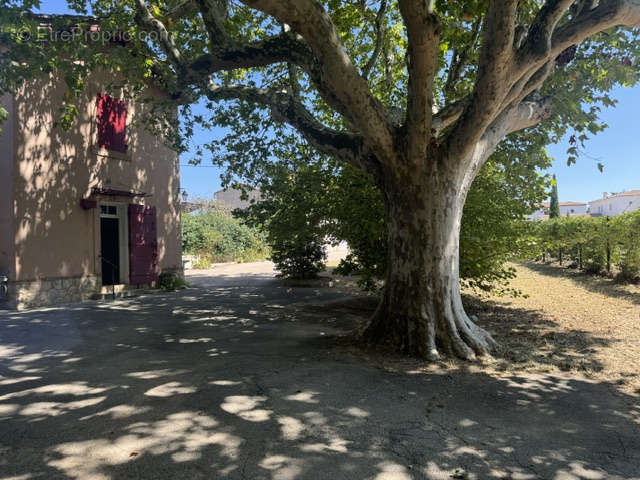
x=316, y=66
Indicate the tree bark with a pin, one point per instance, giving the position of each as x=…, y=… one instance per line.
x=421, y=311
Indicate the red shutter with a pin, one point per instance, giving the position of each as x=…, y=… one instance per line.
x=143, y=244
x=112, y=123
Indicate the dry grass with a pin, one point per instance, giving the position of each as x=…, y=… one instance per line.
x=570, y=321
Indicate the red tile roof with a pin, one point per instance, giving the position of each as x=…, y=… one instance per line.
x=571, y=204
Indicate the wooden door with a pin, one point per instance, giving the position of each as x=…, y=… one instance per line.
x=143, y=244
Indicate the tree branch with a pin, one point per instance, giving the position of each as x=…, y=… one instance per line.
x=495, y=63
x=536, y=57
x=538, y=41
x=145, y=18
x=586, y=22
x=379, y=28
x=213, y=14
x=423, y=33
x=528, y=84
x=293, y=80
x=284, y=47
x=286, y=108
x=608, y=14
x=334, y=74
x=526, y=114
x=183, y=9
x=448, y=116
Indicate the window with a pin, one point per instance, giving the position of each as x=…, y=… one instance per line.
x=112, y=123
x=109, y=210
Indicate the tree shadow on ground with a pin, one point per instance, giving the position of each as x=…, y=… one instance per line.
x=525, y=337
x=530, y=337
x=230, y=383
x=593, y=283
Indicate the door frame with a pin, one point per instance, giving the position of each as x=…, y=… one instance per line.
x=122, y=214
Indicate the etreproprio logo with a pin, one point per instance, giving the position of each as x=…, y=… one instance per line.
x=91, y=34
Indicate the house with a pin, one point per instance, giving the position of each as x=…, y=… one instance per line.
x=88, y=208
x=231, y=198
x=572, y=209
x=542, y=213
x=567, y=209
x=615, y=204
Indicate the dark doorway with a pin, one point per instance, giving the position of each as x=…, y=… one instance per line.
x=110, y=251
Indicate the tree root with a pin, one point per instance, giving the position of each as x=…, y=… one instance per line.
x=429, y=334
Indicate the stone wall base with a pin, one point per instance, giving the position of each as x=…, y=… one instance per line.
x=58, y=291
x=51, y=291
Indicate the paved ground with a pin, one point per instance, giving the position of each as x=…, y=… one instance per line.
x=236, y=379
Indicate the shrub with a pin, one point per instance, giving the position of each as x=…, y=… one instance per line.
x=626, y=230
x=595, y=244
x=217, y=236
x=253, y=254
x=299, y=257
x=296, y=230
x=203, y=262
x=171, y=281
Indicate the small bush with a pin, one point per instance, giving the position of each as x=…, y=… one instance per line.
x=298, y=258
x=203, y=262
x=368, y=272
x=593, y=268
x=629, y=271
x=171, y=281
x=252, y=254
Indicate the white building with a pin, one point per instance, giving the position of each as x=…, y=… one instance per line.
x=567, y=209
x=231, y=198
x=572, y=209
x=541, y=214
x=616, y=204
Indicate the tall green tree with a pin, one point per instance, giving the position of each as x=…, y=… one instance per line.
x=306, y=197
x=554, y=204
x=417, y=94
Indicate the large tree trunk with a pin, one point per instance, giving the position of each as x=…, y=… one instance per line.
x=421, y=311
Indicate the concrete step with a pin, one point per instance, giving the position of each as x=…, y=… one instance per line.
x=121, y=291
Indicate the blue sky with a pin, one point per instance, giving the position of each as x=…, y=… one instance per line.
x=618, y=148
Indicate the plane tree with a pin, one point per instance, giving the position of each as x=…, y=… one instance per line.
x=417, y=94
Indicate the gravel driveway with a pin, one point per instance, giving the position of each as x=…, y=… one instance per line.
x=236, y=379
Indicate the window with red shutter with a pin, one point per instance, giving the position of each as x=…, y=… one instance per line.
x=112, y=123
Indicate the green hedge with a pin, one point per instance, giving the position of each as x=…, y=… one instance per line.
x=593, y=244
x=217, y=236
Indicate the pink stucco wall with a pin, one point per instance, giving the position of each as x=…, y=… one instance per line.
x=7, y=264
x=53, y=236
